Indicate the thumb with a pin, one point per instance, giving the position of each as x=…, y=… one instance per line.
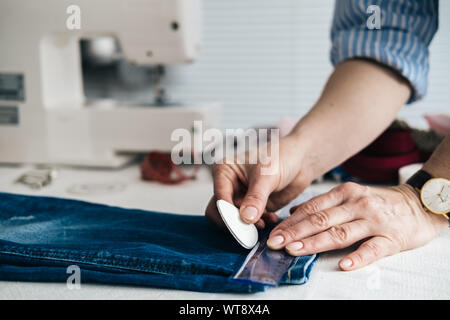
x=255, y=200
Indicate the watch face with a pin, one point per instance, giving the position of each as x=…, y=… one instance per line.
x=435, y=195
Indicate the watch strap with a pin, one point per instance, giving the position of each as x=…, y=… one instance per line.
x=419, y=179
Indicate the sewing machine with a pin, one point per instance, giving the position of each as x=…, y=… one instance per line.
x=44, y=115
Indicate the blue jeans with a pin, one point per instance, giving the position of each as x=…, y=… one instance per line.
x=41, y=236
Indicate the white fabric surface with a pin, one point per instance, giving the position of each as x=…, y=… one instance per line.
x=417, y=274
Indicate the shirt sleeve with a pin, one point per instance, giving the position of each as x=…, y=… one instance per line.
x=401, y=43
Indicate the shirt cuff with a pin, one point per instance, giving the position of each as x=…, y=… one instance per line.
x=401, y=51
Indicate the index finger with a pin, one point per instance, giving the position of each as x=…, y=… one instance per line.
x=223, y=190
x=333, y=198
x=212, y=214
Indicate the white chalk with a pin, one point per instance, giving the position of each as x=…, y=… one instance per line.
x=246, y=234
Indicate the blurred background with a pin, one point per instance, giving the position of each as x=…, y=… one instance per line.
x=265, y=60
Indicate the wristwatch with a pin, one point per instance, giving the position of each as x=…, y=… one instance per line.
x=434, y=192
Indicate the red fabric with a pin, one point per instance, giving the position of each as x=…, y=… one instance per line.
x=380, y=161
x=392, y=143
x=159, y=167
x=385, y=162
x=379, y=169
x=377, y=176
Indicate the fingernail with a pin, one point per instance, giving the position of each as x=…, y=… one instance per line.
x=249, y=214
x=346, y=263
x=275, y=242
x=294, y=246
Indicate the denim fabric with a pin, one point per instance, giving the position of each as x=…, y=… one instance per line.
x=41, y=236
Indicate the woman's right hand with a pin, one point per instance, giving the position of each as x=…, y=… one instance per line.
x=349, y=115
x=257, y=190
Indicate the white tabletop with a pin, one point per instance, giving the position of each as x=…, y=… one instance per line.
x=417, y=274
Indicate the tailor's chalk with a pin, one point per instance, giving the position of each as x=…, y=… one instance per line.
x=246, y=234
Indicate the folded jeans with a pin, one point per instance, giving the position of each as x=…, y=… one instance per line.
x=40, y=237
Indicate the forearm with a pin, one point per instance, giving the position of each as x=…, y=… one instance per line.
x=360, y=100
x=439, y=163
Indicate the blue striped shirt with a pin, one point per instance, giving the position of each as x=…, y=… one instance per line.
x=406, y=30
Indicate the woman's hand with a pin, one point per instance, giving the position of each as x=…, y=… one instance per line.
x=258, y=193
x=341, y=123
x=389, y=220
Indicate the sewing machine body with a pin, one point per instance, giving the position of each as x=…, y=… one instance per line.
x=44, y=115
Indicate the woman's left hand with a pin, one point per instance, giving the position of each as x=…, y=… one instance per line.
x=390, y=220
